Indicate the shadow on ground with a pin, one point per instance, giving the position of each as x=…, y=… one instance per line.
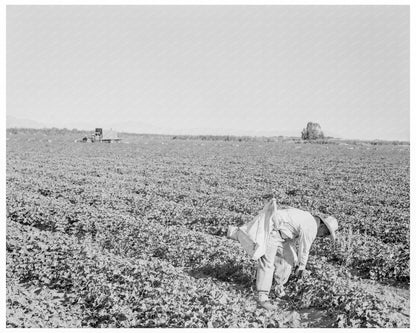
x=227, y=272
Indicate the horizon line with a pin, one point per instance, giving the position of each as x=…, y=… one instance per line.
x=210, y=135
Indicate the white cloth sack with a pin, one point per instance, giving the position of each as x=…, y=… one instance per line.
x=253, y=236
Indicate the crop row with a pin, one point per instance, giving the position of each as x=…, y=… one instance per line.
x=198, y=255
x=369, y=256
x=107, y=290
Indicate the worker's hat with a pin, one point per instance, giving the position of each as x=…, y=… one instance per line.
x=332, y=225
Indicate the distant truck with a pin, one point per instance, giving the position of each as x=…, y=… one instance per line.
x=101, y=135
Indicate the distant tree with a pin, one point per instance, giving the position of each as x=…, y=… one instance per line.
x=312, y=131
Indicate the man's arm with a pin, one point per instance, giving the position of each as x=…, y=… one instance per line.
x=305, y=242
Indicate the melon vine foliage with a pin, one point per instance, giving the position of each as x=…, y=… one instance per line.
x=133, y=234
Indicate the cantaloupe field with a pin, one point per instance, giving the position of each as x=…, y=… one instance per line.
x=134, y=234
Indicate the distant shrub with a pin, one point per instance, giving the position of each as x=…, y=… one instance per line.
x=312, y=131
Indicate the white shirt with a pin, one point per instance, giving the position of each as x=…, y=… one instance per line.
x=298, y=224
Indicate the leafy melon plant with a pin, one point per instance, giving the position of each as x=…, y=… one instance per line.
x=133, y=235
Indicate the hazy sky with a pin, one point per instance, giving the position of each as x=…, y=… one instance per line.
x=212, y=69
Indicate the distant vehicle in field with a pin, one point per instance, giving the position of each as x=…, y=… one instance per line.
x=101, y=135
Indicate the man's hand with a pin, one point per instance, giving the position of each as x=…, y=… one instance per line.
x=299, y=273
